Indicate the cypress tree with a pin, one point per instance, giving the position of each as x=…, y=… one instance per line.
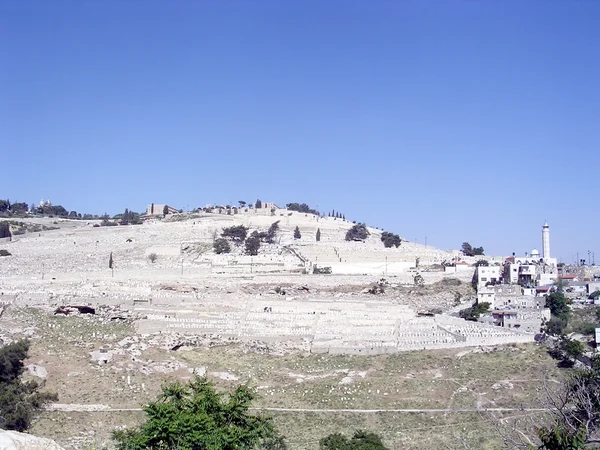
x=318, y=234
x=297, y=234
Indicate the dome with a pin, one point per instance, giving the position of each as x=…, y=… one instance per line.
x=534, y=252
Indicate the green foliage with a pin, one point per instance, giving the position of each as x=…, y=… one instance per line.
x=297, y=234
x=272, y=232
x=252, y=244
x=559, y=307
x=165, y=210
x=357, y=233
x=468, y=250
x=361, y=440
x=390, y=240
x=18, y=401
x=302, y=207
x=326, y=270
x=237, y=234
x=318, y=235
x=195, y=416
x=110, y=261
x=258, y=204
x=572, y=348
x=475, y=311
x=555, y=326
x=52, y=210
x=482, y=263
x=4, y=229
x=221, y=246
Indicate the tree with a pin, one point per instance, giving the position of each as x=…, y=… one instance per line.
x=390, y=240
x=110, y=261
x=357, y=233
x=575, y=411
x=165, y=210
x=18, y=400
x=302, y=207
x=270, y=237
x=196, y=416
x=475, y=311
x=297, y=234
x=242, y=203
x=361, y=440
x=318, y=235
x=558, y=306
x=572, y=349
x=5, y=230
x=221, y=246
x=252, y=244
x=258, y=204
x=236, y=233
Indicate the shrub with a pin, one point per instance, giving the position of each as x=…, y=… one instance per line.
x=302, y=207
x=221, y=246
x=4, y=229
x=152, y=257
x=318, y=235
x=475, y=311
x=19, y=400
x=360, y=441
x=196, y=416
x=236, y=233
x=322, y=270
x=357, y=233
x=419, y=280
x=297, y=234
x=4, y=252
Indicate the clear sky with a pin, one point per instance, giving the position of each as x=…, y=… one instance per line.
x=455, y=120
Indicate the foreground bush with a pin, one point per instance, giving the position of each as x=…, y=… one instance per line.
x=19, y=401
x=196, y=416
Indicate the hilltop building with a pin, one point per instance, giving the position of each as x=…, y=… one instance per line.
x=155, y=209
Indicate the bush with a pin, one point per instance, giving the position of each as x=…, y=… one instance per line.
x=196, y=416
x=297, y=234
x=390, y=240
x=236, y=233
x=357, y=233
x=322, y=270
x=152, y=257
x=4, y=229
x=360, y=441
x=475, y=311
x=5, y=253
x=221, y=246
x=19, y=401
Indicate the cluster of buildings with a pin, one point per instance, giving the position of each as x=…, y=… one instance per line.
x=517, y=289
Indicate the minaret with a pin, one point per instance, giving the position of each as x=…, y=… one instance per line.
x=546, y=241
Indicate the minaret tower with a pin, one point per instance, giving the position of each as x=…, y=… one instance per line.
x=546, y=241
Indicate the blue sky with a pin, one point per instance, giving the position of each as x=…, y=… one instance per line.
x=455, y=120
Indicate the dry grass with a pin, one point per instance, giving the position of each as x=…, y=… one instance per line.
x=436, y=379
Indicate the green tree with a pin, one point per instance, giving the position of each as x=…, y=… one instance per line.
x=165, y=210
x=390, y=240
x=258, y=204
x=272, y=232
x=297, y=234
x=221, y=246
x=357, y=233
x=475, y=311
x=572, y=348
x=236, y=233
x=558, y=305
x=252, y=244
x=195, y=416
x=318, y=235
x=110, y=261
x=19, y=401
